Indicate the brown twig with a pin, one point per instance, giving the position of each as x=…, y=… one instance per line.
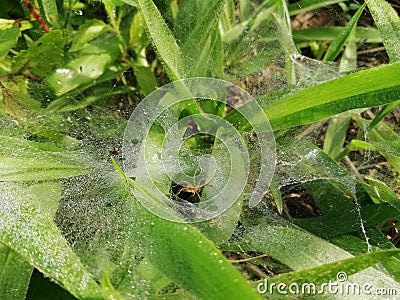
x=37, y=16
x=247, y=259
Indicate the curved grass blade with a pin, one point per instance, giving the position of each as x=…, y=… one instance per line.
x=337, y=45
x=388, y=23
x=383, y=113
x=367, y=88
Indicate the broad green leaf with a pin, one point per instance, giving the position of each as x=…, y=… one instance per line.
x=307, y=5
x=27, y=227
x=87, y=32
x=381, y=192
x=6, y=24
x=388, y=23
x=43, y=56
x=198, y=40
x=244, y=6
x=15, y=274
x=187, y=257
x=162, y=39
x=23, y=160
x=216, y=62
x=337, y=45
x=8, y=39
x=50, y=11
x=93, y=62
x=367, y=88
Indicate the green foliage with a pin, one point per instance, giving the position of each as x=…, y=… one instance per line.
x=68, y=215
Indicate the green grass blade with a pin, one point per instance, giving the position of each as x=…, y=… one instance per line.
x=15, y=274
x=162, y=39
x=388, y=23
x=337, y=45
x=367, y=88
x=383, y=113
x=328, y=34
x=307, y=5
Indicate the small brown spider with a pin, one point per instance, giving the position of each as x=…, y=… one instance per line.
x=190, y=192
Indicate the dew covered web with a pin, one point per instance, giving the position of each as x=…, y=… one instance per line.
x=100, y=218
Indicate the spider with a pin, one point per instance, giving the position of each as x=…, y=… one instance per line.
x=188, y=191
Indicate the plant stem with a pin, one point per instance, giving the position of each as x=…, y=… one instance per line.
x=37, y=16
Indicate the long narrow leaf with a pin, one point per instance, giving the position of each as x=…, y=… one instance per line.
x=388, y=23
x=367, y=88
x=337, y=45
x=163, y=39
